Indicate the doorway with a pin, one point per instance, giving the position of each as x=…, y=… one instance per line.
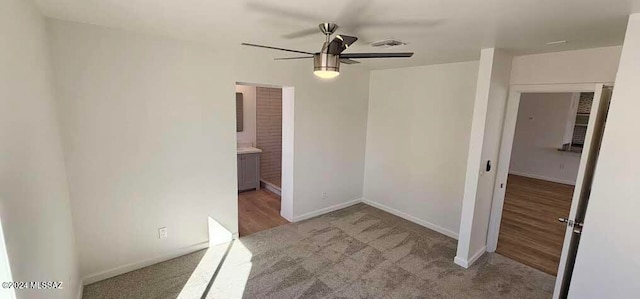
x=547, y=147
x=264, y=132
x=537, y=218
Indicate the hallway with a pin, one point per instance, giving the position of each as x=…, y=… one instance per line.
x=530, y=232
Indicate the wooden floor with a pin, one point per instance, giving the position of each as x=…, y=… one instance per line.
x=258, y=211
x=529, y=231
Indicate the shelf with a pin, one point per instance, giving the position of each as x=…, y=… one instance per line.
x=571, y=148
x=576, y=150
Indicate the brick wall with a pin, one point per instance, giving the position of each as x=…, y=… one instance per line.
x=584, y=106
x=269, y=132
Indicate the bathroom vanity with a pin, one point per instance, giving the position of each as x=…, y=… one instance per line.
x=248, y=168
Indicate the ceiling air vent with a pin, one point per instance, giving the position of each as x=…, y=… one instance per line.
x=388, y=43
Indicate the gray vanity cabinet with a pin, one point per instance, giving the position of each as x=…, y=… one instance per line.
x=248, y=171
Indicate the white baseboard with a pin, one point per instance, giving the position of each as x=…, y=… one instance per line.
x=413, y=219
x=326, y=210
x=91, y=278
x=467, y=263
x=461, y=262
x=544, y=178
x=271, y=187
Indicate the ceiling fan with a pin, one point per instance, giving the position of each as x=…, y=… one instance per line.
x=327, y=62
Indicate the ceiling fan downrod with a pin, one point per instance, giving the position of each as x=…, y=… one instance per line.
x=328, y=29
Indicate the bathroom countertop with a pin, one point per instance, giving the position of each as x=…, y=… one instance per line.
x=248, y=150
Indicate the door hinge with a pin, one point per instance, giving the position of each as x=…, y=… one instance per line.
x=577, y=227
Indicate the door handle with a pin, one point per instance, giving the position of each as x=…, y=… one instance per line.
x=488, y=168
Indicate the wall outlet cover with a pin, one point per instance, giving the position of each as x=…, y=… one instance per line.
x=162, y=233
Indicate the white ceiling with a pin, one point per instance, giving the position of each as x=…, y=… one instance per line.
x=445, y=30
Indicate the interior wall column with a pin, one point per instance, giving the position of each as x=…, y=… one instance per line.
x=484, y=145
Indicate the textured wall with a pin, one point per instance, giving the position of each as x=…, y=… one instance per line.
x=269, y=132
x=607, y=261
x=35, y=212
x=148, y=124
x=418, y=131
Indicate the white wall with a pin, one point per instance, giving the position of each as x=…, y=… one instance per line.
x=149, y=135
x=540, y=131
x=608, y=264
x=248, y=134
x=595, y=65
x=34, y=199
x=417, y=141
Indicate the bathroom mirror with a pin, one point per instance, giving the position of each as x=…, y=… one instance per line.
x=239, y=114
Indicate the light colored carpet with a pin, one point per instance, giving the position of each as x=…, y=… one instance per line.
x=357, y=252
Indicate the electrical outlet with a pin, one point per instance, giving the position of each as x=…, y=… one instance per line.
x=324, y=195
x=162, y=233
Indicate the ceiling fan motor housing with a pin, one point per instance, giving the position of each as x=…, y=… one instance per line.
x=326, y=62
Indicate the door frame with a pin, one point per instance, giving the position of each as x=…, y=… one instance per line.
x=288, y=129
x=506, y=145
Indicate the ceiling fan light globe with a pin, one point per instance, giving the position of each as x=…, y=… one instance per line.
x=326, y=74
x=326, y=65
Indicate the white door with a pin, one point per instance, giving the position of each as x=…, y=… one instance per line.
x=593, y=140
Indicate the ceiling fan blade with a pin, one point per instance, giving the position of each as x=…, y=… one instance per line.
x=352, y=10
x=341, y=43
x=347, y=40
x=282, y=12
x=274, y=48
x=291, y=58
x=401, y=23
x=350, y=17
x=348, y=61
x=376, y=55
x=302, y=33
